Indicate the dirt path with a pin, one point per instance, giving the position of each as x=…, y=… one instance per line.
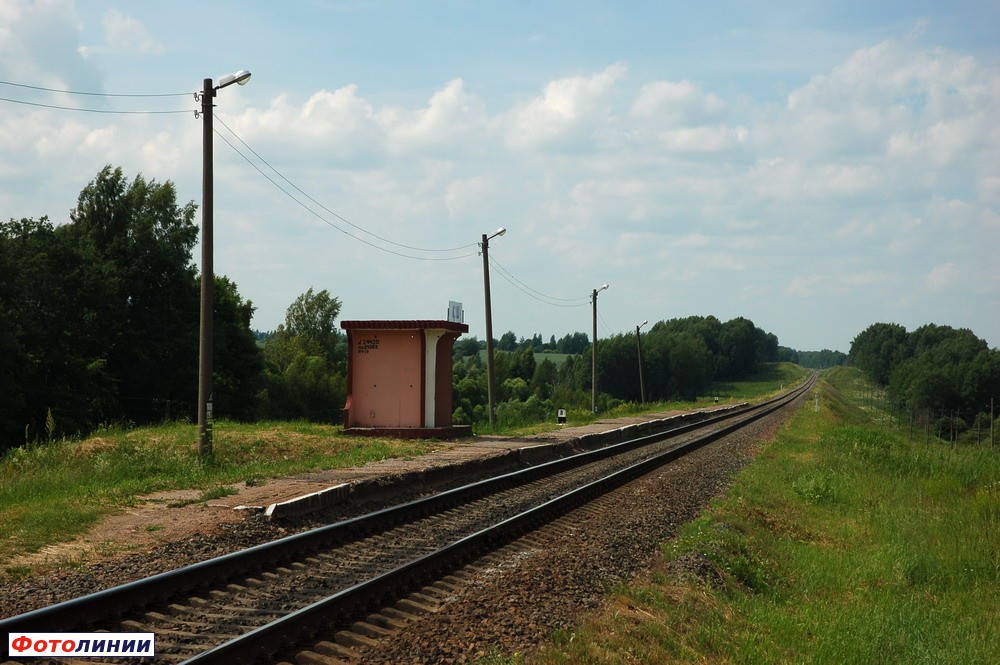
x=156, y=519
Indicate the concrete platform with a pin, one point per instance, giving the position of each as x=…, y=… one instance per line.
x=454, y=461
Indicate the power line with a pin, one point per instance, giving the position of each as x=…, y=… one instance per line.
x=506, y=274
x=335, y=214
x=533, y=293
x=326, y=221
x=106, y=111
x=91, y=94
x=607, y=329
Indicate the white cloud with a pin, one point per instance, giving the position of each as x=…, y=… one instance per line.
x=942, y=277
x=988, y=185
x=39, y=45
x=703, y=139
x=940, y=144
x=692, y=241
x=856, y=228
x=467, y=196
x=849, y=282
x=794, y=179
x=954, y=213
x=567, y=113
x=803, y=285
x=912, y=103
x=846, y=190
x=339, y=125
x=668, y=103
x=127, y=36
x=454, y=122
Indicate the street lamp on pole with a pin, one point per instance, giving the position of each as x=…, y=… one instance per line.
x=593, y=352
x=490, y=374
x=205, y=334
x=638, y=348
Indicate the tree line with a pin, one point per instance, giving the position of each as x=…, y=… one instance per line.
x=680, y=359
x=812, y=359
x=100, y=320
x=937, y=372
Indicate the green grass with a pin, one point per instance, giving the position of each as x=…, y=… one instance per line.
x=842, y=543
x=53, y=491
x=772, y=379
x=578, y=417
x=50, y=492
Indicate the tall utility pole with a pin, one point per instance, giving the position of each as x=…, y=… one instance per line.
x=205, y=333
x=490, y=372
x=593, y=352
x=638, y=348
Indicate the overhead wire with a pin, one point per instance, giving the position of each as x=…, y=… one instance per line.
x=506, y=274
x=533, y=293
x=607, y=328
x=335, y=214
x=92, y=94
x=71, y=108
x=59, y=107
x=327, y=221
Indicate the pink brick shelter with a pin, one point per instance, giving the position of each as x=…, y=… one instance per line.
x=399, y=377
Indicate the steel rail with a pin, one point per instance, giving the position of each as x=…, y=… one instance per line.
x=264, y=642
x=132, y=596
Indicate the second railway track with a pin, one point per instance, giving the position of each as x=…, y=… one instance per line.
x=253, y=605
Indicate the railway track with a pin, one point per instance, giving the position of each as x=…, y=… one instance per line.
x=258, y=604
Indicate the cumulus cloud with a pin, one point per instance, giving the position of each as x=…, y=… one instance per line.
x=40, y=45
x=339, y=124
x=125, y=35
x=465, y=196
x=567, y=113
x=702, y=139
x=453, y=122
x=669, y=103
x=886, y=159
x=784, y=178
x=893, y=98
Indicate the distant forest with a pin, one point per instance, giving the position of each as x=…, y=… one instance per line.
x=813, y=359
x=101, y=317
x=936, y=372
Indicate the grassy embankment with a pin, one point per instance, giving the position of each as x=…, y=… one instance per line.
x=842, y=543
x=774, y=378
x=50, y=492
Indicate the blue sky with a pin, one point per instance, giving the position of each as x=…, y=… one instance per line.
x=813, y=166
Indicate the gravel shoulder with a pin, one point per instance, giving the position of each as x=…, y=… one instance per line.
x=546, y=581
x=172, y=529
x=159, y=519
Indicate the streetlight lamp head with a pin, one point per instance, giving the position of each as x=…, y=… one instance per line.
x=502, y=230
x=643, y=323
x=241, y=77
x=603, y=287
